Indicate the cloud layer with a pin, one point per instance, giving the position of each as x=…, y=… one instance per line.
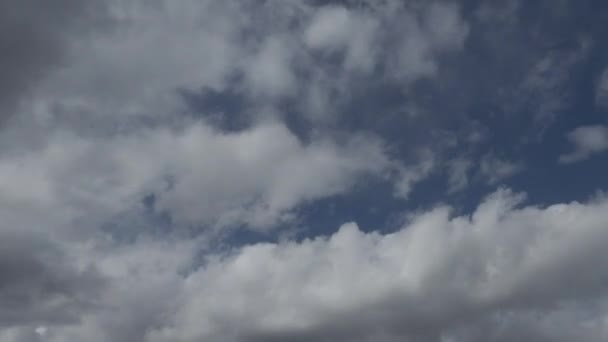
x=247, y=171
x=506, y=271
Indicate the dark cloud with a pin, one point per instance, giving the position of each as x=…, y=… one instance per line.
x=34, y=36
x=39, y=284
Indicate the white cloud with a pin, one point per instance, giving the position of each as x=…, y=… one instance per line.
x=269, y=72
x=405, y=42
x=439, y=29
x=495, y=169
x=105, y=130
x=505, y=271
x=587, y=140
x=198, y=175
x=129, y=72
x=334, y=28
x=329, y=29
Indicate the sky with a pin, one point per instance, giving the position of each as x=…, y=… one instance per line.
x=303, y=170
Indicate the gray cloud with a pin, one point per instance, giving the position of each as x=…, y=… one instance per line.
x=40, y=285
x=505, y=272
x=110, y=112
x=103, y=127
x=34, y=37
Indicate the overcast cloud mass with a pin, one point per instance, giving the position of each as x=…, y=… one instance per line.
x=303, y=170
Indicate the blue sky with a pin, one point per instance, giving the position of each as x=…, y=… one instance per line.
x=356, y=170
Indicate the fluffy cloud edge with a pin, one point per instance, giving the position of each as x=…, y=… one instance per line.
x=505, y=271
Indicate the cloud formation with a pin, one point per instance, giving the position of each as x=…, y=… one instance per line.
x=39, y=283
x=34, y=39
x=505, y=271
x=254, y=178
x=249, y=170
x=586, y=141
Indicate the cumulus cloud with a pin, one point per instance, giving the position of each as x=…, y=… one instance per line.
x=334, y=28
x=270, y=52
x=505, y=271
x=264, y=53
x=587, y=140
x=199, y=176
x=112, y=112
x=128, y=214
